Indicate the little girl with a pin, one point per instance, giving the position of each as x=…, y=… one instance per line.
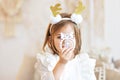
x=61, y=58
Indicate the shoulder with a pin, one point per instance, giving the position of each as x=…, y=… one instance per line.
x=86, y=61
x=46, y=59
x=85, y=56
x=88, y=65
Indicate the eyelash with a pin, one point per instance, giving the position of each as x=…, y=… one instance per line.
x=59, y=37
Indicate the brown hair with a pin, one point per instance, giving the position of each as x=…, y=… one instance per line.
x=52, y=29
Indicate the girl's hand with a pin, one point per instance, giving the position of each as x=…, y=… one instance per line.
x=66, y=54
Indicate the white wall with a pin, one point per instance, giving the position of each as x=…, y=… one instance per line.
x=17, y=54
x=112, y=26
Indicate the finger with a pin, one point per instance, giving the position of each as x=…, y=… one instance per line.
x=63, y=50
x=67, y=51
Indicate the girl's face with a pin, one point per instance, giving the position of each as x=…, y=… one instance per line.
x=66, y=29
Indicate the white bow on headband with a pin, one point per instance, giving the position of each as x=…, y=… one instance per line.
x=75, y=17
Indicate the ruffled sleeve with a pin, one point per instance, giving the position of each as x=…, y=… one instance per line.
x=87, y=67
x=44, y=66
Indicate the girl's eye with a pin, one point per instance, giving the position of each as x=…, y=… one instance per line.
x=59, y=37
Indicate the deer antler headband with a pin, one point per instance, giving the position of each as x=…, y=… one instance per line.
x=75, y=17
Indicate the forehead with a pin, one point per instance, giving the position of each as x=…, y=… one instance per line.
x=68, y=28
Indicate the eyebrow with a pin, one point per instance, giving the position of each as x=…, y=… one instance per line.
x=57, y=34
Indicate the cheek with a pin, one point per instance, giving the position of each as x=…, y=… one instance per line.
x=57, y=44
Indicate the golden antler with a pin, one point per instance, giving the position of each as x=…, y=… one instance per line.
x=80, y=8
x=55, y=9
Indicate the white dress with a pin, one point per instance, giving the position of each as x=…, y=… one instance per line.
x=80, y=68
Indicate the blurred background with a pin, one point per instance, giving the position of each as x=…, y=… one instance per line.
x=23, y=25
